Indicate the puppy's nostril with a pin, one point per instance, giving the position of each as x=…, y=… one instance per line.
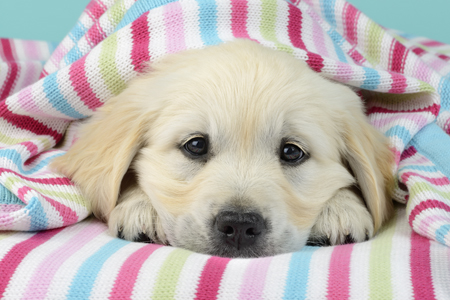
x=228, y=230
x=250, y=232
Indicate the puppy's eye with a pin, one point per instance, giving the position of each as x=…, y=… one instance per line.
x=291, y=153
x=196, y=146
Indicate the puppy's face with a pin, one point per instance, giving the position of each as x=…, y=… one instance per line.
x=237, y=148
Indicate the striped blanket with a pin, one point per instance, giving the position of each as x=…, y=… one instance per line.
x=404, y=82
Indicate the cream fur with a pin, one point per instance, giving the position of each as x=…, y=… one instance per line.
x=246, y=98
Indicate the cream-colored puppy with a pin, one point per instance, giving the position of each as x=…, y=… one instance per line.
x=235, y=150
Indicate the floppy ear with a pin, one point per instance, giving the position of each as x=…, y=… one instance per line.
x=371, y=161
x=107, y=143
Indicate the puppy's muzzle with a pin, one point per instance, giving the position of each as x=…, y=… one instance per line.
x=239, y=231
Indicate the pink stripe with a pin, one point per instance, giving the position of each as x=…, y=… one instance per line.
x=344, y=72
x=239, y=11
x=211, y=277
x=351, y=23
x=411, y=151
x=80, y=83
x=32, y=50
x=68, y=215
x=52, y=181
x=427, y=222
x=419, y=120
x=339, y=272
x=424, y=205
x=13, y=69
x=420, y=261
x=125, y=280
x=422, y=71
x=32, y=148
x=254, y=278
x=21, y=192
x=26, y=101
x=173, y=17
x=436, y=181
x=431, y=43
x=141, y=39
x=398, y=85
x=44, y=273
x=318, y=36
x=16, y=254
x=398, y=54
x=9, y=208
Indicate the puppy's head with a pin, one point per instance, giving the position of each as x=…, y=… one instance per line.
x=237, y=146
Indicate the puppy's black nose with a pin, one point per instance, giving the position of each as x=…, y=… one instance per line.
x=239, y=230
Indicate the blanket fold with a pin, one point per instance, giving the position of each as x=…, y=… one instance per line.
x=404, y=82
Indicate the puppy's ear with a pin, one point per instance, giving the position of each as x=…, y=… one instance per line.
x=106, y=145
x=371, y=161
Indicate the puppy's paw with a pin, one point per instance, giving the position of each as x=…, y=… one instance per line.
x=135, y=219
x=343, y=220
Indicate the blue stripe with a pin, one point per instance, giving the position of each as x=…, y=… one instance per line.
x=57, y=100
x=297, y=279
x=77, y=32
x=35, y=210
x=400, y=132
x=328, y=11
x=6, y=197
x=73, y=55
x=372, y=79
x=83, y=281
x=432, y=142
x=442, y=232
x=419, y=168
x=138, y=8
x=208, y=22
x=337, y=43
x=15, y=156
x=444, y=92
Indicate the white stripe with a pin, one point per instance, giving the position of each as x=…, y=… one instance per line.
x=157, y=29
x=148, y=274
x=400, y=258
x=186, y=287
x=9, y=242
x=281, y=23
x=224, y=30
x=318, y=273
x=230, y=285
x=359, y=271
x=440, y=269
x=192, y=34
x=276, y=276
x=94, y=77
x=123, y=59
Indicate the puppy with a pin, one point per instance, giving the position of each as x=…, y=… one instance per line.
x=234, y=150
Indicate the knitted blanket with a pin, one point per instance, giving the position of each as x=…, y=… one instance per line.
x=84, y=262
x=404, y=82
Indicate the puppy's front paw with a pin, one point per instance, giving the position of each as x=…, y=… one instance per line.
x=344, y=219
x=135, y=219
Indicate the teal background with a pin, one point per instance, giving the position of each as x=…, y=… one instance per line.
x=51, y=20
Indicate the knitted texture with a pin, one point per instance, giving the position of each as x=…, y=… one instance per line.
x=403, y=81
x=84, y=262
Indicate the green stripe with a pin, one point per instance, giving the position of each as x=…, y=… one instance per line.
x=116, y=13
x=4, y=235
x=269, y=10
x=169, y=273
x=76, y=198
x=107, y=64
x=421, y=187
x=374, y=37
x=380, y=263
x=13, y=141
